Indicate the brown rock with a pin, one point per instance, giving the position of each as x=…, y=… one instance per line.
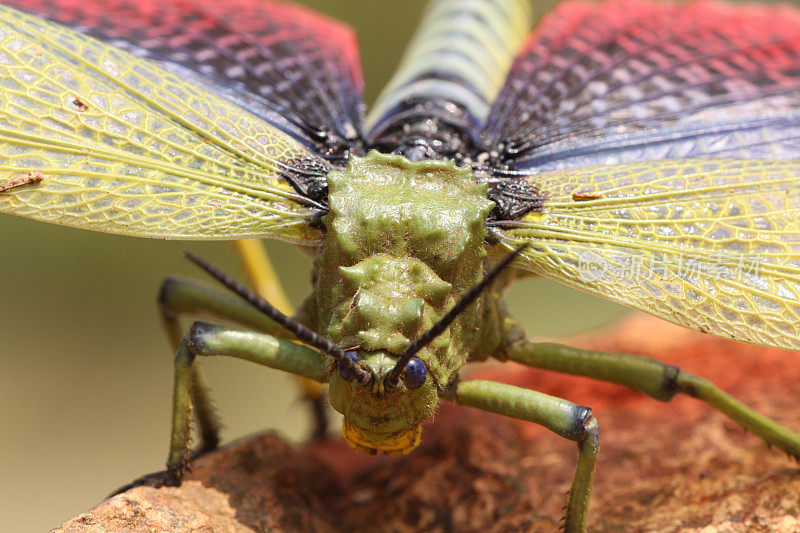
x=669, y=467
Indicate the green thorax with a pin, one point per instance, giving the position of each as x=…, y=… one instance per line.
x=404, y=241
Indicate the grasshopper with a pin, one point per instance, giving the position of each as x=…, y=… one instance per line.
x=610, y=151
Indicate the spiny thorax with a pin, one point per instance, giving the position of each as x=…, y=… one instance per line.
x=404, y=241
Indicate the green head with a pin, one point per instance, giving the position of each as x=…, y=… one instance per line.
x=381, y=414
x=404, y=242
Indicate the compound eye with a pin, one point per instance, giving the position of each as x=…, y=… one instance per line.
x=416, y=373
x=345, y=371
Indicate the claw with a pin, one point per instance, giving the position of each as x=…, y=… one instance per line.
x=172, y=477
x=320, y=416
x=163, y=478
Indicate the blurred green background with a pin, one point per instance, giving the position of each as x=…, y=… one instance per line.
x=87, y=372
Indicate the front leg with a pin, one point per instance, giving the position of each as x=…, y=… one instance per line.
x=179, y=297
x=214, y=340
x=655, y=379
x=571, y=421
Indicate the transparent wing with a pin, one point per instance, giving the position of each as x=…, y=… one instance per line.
x=297, y=69
x=712, y=244
x=121, y=145
x=631, y=80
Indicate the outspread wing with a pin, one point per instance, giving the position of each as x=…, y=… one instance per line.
x=631, y=80
x=296, y=69
x=116, y=143
x=711, y=244
x=656, y=148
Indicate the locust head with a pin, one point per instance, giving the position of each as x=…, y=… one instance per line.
x=383, y=410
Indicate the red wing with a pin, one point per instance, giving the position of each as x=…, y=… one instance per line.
x=631, y=80
x=297, y=69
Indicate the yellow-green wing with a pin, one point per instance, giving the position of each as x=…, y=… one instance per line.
x=711, y=244
x=118, y=144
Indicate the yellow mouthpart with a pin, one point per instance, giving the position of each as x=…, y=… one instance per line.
x=391, y=444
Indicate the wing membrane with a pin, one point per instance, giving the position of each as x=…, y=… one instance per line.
x=631, y=80
x=124, y=146
x=711, y=244
x=297, y=69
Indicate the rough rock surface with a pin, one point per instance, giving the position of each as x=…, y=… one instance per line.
x=663, y=467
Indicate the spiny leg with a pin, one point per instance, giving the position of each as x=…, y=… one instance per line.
x=264, y=280
x=655, y=379
x=181, y=297
x=571, y=421
x=214, y=340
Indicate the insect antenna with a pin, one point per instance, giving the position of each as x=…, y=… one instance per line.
x=420, y=342
x=299, y=330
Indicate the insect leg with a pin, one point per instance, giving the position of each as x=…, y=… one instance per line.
x=214, y=340
x=655, y=379
x=178, y=297
x=266, y=284
x=261, y=273
x=571, y=421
